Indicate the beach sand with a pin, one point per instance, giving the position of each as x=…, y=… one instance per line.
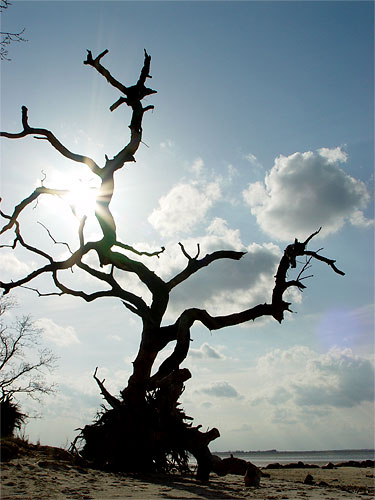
x=41, y=475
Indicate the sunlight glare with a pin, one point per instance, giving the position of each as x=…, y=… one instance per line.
x=82, y=199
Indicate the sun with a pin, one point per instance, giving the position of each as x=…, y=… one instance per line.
x=72, y=192
x=82, y=199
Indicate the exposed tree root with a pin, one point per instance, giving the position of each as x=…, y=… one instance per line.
x=154, y=435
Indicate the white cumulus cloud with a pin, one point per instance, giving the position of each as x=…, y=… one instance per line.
x=333, y=155
x=304, y=191
x=183, y=207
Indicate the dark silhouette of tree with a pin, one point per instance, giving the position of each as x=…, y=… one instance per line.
x=7, y=37
x=23, y=366
x=144, y=428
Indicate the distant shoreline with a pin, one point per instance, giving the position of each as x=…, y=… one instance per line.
x=262, y=458
x=274, y=451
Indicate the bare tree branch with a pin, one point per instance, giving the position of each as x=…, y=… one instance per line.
x=24, y=203
x=134, y=93
x=42, y=294
x=7, y=37
x=134, y=250
x=53, y=239
x=95, y=63
x=88, y=297
x=49, y=136
x=52, y=267
x=22, y=366
x=187, y=255
x=330, y=262
x=114, y=402
x=140, y=307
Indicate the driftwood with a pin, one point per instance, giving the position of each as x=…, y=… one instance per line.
x=232, y=465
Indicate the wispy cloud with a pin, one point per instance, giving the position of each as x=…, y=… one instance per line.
x=253, y=160
x=197, y=166
x=167, y=145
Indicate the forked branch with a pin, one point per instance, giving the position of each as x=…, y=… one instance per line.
x=194, y=264
x=133, y=94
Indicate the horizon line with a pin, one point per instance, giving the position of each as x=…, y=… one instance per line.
x=297, y=451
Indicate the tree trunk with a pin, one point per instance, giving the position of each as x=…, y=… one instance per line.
x=146, y=430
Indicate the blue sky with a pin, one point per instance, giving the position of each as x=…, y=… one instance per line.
x=262, y=132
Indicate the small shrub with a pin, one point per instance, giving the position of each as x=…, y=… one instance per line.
x=11, y=417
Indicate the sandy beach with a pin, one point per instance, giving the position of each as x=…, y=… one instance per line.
x=44, y=474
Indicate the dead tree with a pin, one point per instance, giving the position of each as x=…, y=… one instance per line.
x=23, y=367
x=144, y=428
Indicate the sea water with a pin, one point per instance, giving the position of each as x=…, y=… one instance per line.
x=263, y=458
